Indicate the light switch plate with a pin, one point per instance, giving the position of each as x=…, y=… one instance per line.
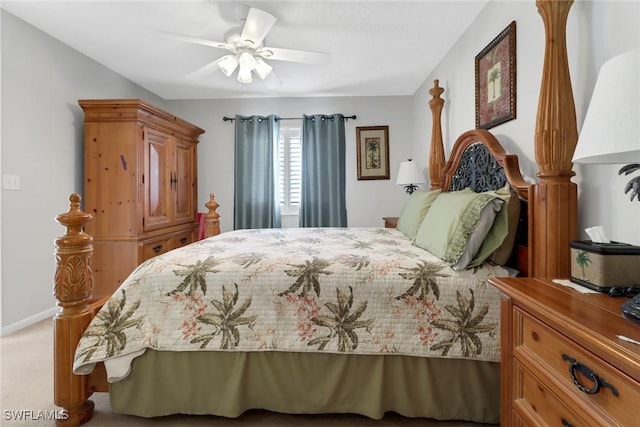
x=11, y=182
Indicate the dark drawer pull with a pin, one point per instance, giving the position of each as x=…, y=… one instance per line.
x=157, y=248
x=566, y=423
x=587, y=372
x=183, y=240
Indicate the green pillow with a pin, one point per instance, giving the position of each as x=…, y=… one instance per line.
x=451, y=221
x=500, y=230
x=414, y=211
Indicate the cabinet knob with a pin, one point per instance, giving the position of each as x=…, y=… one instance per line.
x=157, y=248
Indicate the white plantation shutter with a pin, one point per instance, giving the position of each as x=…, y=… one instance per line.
x=290, y=170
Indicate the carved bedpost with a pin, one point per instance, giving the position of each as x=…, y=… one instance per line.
x=436, y=153
x=556, y=136
x=72, y=288
x=212, y=218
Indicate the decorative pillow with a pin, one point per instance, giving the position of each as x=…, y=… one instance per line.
x=499, y=231
x=501, y=255
x=414, y=211
x=487, y=217
x=452, y=219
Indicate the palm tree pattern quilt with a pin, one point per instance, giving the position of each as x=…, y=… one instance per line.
x=338, y=290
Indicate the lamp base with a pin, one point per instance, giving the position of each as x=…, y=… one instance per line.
x=410, y=188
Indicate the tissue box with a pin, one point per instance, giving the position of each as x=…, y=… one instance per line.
x=600, y=266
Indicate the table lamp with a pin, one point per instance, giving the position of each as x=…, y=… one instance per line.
x=611, y=129
x=409, y=175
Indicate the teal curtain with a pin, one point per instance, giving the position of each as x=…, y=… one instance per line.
x=257, y=189
x=323, y=201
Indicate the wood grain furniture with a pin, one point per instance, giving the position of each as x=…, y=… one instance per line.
x=551, y=225
x=556, y=135
x=390, y=221
x=140, y=184
x=562, y=363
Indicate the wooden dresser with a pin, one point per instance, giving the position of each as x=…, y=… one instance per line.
x=140, y=184
x=562, y=364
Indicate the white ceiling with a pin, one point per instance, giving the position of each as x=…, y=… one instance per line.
x=376, y=48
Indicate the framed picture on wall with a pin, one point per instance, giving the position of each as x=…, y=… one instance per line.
x=496, y=80
x=373, y=152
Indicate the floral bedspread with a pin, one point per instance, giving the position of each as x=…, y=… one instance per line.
x=339, y=290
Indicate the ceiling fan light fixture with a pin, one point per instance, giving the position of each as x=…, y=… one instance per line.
x=247, y=59
x=246, y=45
x=228, y=64
x=262, y=68
x=244, y=74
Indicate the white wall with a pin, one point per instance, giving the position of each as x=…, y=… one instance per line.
x=367, y=201
x=42, y=79
x=596, y=31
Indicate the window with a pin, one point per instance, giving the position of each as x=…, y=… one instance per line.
x=290, y=170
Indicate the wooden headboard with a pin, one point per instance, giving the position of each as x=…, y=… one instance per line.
x=552, y=202
x=479, y=162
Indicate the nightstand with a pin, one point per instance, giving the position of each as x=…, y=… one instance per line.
x=390, y=221
x=562, y=363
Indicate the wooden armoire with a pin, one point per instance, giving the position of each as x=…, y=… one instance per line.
x=140, y=184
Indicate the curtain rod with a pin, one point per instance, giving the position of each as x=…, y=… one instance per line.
x=230, y=119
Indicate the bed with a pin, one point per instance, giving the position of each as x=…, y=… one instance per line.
x=342, y=359
x=317, y=320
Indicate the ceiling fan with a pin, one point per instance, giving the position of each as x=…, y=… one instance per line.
x=248, y=53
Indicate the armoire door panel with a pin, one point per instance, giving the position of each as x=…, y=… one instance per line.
x=157, y=183
x=184, y=182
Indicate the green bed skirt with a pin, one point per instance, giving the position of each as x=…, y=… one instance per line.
x=229, y=383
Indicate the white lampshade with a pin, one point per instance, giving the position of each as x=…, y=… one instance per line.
x=244, y=74
x=611, y=129
x=262, y=68
x=228, y=64
x=410, y=174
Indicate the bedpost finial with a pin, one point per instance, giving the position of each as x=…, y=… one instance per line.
x=74, y=219
x=212, y=205
x=436, y=90
x=73, y=280
x=212, y=218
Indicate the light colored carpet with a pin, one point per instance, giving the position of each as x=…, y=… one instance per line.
x=26, y=362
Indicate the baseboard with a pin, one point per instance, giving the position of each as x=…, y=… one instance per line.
x=31, y=320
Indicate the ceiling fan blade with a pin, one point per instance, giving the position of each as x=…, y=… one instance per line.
x=257, y=26
x=196, y=40
x=292, y=55
x=207, y=69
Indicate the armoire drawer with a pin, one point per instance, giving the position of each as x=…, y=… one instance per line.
x=155, y=247
x=182, y=239
x=587, y=378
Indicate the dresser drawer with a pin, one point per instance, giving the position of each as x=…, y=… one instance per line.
x=539, y=406
x=589, y=381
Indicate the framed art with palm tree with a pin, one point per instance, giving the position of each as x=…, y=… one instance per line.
x=496, y=80
x=373, y=152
